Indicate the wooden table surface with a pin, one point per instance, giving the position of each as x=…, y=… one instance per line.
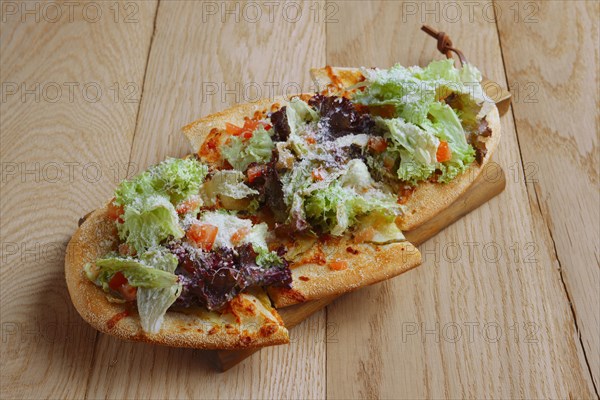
x=506, y=302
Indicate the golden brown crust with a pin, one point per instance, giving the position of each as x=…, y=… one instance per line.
x=198, y=131
x=335, y=266
x=428, y=199
x=250, y=321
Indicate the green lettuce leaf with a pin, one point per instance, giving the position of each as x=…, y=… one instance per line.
x=152, y=273
x=296, y=180
x=336, y=207
x=416, y=149
x=447, y=126
x=439, y=70
x=298, y=114
x=331, y=208
x=138, y=273
x=153, y=303
x=240, y=152
x=150, y=198
x=266, y=258
x=302, y=111
x=228, y=183
x=148, y=221
x=412, y=91
x=398, y=87
x=176, y=178
x=179, y=178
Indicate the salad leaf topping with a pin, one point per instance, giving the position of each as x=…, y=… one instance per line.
x=241, y=152
x=149, y=201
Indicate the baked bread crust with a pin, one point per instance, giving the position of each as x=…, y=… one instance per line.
x=249, y=321
x=363, y=264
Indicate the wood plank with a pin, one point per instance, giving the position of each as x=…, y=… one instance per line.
x=485, y=187
x=561, y=73
x=67, y=127
x=196, y=53
x=481, y=316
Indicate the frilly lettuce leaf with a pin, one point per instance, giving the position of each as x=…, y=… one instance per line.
x=412, y=91
x=137, y=272
x=179, y=178
x=152, y=273
x=175, y=178
x=153, y=303
x=398, y=87
x=415, y=147
x=336, y=207
x=447, y=126
x=266, y=258
x=228, y=183
x=298, y=113
x=148, y=221
x=149, y=201
x=240, y=152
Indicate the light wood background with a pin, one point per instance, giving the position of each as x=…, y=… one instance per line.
x=506, y=303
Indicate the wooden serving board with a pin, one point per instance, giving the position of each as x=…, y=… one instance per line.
x=487, y=185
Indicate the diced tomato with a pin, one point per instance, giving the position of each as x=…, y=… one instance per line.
x=378, y=144
x=251, y=125
x=233, y=129
x=254, y=172
x=311, y=140
x=443, y=152
x=114, y=211
x=119, y=284
x=203, y=235
x=245, y=131
x=188, y=205
x=117, y=281
x=239, y=235
x=268, y=127
x=338, y=265
x=317, y=174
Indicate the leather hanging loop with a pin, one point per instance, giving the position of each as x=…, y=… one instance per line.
x=444, y=44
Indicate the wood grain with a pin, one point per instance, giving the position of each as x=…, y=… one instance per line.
x=462, y=325
x=393, y=340
x=65, y=143
x=561, y=73
x=188, y=60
